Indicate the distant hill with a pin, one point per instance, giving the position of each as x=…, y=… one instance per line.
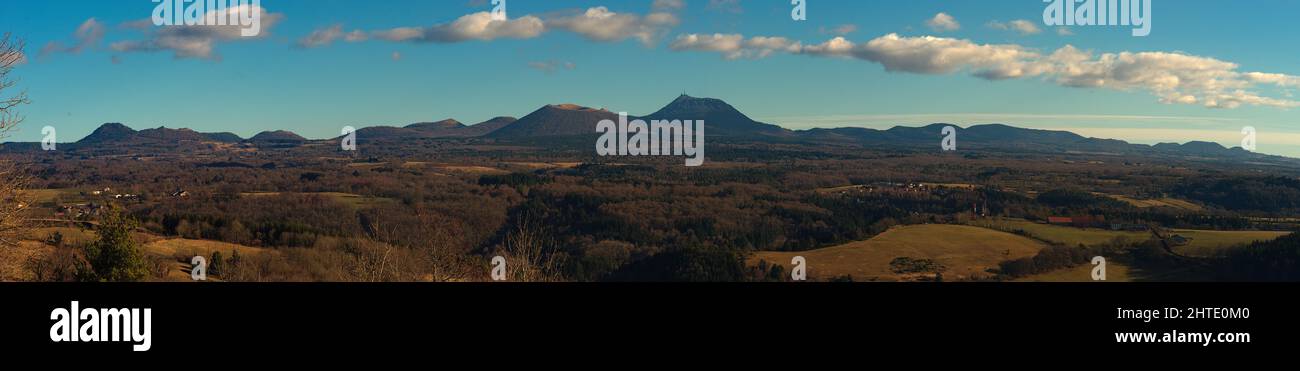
x=444, y=125
x=277, y=138
x=1199, y=148
x=116, y=133
x=555, y=120
x=489, y=126
x=719, y=117
x=110, y=132
x=989, y=136
x=223, y=137
x=442, y=129
x=565, y=124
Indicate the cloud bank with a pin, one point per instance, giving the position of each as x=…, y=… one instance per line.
x=477, y=26
x=197, y=41
x=1173, y=78
x=596, y=24
x=943, y=22
x=88, y=35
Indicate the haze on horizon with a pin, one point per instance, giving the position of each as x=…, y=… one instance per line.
x=325, y=64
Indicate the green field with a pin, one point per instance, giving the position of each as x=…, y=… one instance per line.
x=1206, y=243
x=966, y=252
x=1115, y=272
x=1203, y=242
x=40, y=196
x=354, y=200
x=1069, y=236
x=1159, y=202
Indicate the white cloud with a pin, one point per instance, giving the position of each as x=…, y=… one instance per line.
x=88, y=35
x=322, y=37
x=397, y=56
x=477, y=26
x=840, y=30
x=1173, y=78
x=197, y=41
x=715, y=43
x=1278, y=79
x=938, y=55
x=356, y=36
x=597, y=24
x=1020, y=26
x=1064, y=31
x=326, y=36
x=943, y=22
x=601, y=24
x=836, y=47
x=735, y=46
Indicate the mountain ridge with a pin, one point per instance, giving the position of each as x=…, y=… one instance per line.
x=721, y=120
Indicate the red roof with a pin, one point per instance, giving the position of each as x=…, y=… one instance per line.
x=1059, y=220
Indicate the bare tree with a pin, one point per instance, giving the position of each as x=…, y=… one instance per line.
x=530, y=252
x=426, y=251
x=12, y=200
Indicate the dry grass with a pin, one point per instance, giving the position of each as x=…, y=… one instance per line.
x=1068, y=236
x=354, y=200
x=366, y=164
x=1203, y=242
x=966, y=252
x=1159, y=202
x=546, y=165
x=1207, y=243
x=13, y=260
x=1115, y=272
x=48, y=195
x=478, y=170
x=177, y=253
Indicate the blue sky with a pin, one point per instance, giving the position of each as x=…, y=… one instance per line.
x=901, y=63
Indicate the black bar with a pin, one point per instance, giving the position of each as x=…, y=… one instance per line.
x=306, y=319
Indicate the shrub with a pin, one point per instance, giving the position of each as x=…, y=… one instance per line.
x=116, y=256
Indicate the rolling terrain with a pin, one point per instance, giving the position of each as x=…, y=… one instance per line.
x=964, y=253
x=440, y=198
x=568, y=126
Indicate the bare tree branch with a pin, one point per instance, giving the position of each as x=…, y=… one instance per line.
x=13, y=201
x=11, y=54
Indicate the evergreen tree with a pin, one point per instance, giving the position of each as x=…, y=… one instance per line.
x=116, y=256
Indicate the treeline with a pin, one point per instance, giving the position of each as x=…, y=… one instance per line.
x=1276, y=260
x=1056, y=257
x=1272, y=194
